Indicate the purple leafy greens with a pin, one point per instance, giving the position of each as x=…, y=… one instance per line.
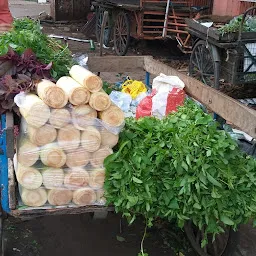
x=22, y=74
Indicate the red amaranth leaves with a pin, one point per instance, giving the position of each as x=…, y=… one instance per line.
x=21, y=77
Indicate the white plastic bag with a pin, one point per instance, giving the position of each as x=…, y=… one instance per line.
x=163, y=85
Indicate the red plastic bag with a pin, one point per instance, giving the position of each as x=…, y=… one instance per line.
x=174, y=99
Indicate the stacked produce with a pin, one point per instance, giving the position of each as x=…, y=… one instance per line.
x=68, y=129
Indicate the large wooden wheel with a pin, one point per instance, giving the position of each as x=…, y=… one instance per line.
x=195, y=236
x=203, y=65
x=107, y=29
x=121, y=33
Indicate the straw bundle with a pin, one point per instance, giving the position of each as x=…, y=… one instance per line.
x=76, y=178
x=97, y=179
x=59, y=118
x=84, y=196
x=51, y=94
x=52, y=155
x=43, y=135
x=29, y=177
x=108, y=139
x=59, y=196
x=28, y=153
x=77, y=94
x=34, y=198
x=78, y=157
x=86, y=78
x=53, y=178
x=100, y=101
x=83, y=116
x=30, y=108
x=90, y=139
x=113, y=116
x=99, y=156
x=68, y=137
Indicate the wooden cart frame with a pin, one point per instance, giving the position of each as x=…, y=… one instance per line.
x=147, y=19
x=229, y=57
x=240, y=115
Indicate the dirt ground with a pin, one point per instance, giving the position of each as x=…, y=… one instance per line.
x=79, y=235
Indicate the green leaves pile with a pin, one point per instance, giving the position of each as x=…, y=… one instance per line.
x=235, y=24
x=184, y=168
x=27, y=34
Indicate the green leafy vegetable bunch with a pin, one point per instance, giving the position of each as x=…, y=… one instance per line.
x=27, y=34
x=181, y=168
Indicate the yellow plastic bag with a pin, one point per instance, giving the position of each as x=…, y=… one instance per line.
x=133, y=87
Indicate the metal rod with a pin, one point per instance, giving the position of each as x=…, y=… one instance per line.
x=166, y=18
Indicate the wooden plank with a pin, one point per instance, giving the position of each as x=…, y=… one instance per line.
x=9, y=135
x=213, y=33
x=116, y=64
x=35, y=213
x=231, y=110
x=11, y=185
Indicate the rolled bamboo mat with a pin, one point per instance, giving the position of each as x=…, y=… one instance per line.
x=90, y=139
x=30, y=107
x=28, y=153
x=51, y=94
x=77, y=94
x=52, y=155
x=59, y=196
x=99, y=156
x=59, y=118
x=68, y=137
x=84, y=196
x=97, y=178
x=42, y=135
x=108, y=139
x=77, y=158
x=86, y=78
x=113, y=116
x=100, y=101
x=53, y=178
x=83, y=116
x=76, y=178
x=29, y=177
x=34, y=198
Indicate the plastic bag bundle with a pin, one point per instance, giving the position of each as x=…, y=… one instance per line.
x=167, y=94
x=62, y=146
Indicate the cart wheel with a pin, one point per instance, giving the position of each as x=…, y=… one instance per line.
x=107, y=30
x=100, y=215
x=203, y=65
x=121, y=33
x=217, y=248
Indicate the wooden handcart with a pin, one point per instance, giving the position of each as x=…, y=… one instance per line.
x=237, y=113
x=147, y=19
x=230, y=58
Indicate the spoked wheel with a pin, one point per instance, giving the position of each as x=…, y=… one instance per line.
x=107, y=29
x=195, y=237
x=203, y=66
x=121, y=33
